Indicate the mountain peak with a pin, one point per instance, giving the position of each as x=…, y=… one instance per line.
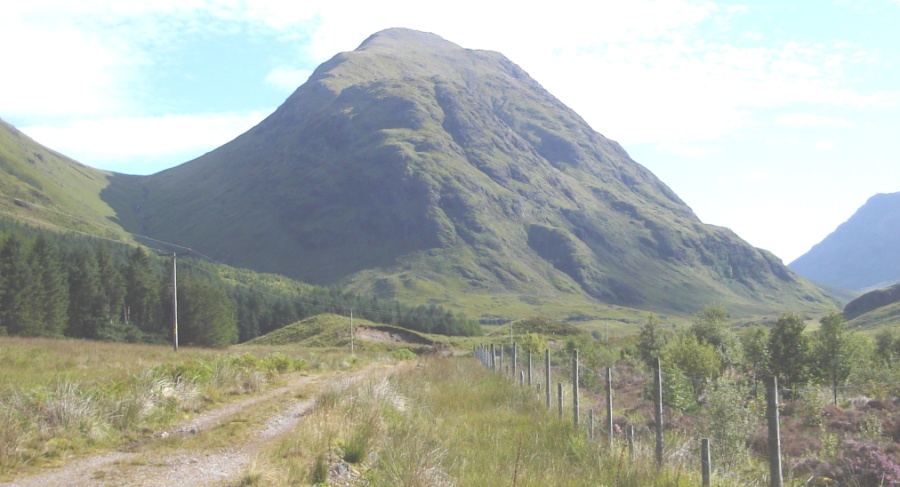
x=861, y=253
x=419, y=170
x=406, y=37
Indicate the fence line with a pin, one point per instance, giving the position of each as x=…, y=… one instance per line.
x=488, y=358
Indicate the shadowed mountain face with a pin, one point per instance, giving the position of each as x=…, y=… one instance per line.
x=414, y=168
x=862, y=253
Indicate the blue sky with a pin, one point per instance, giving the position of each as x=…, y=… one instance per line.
x=775, y=119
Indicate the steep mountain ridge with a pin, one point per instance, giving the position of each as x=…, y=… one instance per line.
x=862, y=253
x=414, y=168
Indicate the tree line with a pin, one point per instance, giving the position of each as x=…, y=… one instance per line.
x=830, y=355
x=64, y=285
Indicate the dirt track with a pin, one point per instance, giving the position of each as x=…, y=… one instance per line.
x=189, y=467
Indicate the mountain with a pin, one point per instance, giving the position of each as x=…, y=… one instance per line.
x=416, y=169
x=862, y=253
x=40, y=186
x=874, y=309
x=871, y=301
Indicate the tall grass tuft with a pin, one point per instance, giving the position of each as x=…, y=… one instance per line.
x=13, y=434
x=357, y=446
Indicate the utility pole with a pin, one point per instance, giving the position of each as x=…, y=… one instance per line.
x=175, y=301
x=174, y=297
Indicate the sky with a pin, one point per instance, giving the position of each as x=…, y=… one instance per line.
x=775, y=119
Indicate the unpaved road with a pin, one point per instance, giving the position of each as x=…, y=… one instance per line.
x=191, y=467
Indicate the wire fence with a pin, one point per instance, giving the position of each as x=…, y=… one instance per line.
x=730, y=422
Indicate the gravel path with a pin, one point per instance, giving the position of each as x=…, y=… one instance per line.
x=187, y=467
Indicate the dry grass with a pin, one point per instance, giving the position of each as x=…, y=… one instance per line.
x=451, y=423
x=63, y=396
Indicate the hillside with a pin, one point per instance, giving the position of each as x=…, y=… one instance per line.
x=329, y=330
x=862, y=253
x=38, y=185
x=875, y=308
x=415, y=169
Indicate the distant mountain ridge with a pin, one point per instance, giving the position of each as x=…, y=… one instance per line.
x=416, y=169
x=862, y=253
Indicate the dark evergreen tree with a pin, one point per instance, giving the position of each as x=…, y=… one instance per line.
x=51, y=301
x=206, y=317
x=112, y=291
x=16, y=297
x=142, y=305
x=87, y=304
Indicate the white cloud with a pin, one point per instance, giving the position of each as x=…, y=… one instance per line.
x=825, y=145
x=113, y=142
x=286, y=78
x=59, y=71
x=690, y=150
x=807, y=119
x=678, y=73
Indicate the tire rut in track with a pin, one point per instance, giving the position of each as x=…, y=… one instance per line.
x=187, y=467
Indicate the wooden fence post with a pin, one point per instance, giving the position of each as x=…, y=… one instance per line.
x=591, y=424
x=493, y=363
x=521, y=378
x=575, y=388
x=657, y=398
x=515, y=361
x=547, y=381
x=559, y=398
x=609, y=411
x=630, y=433
x=529, y=368
x=775, y=478
x=704, y=460
x=502, y=370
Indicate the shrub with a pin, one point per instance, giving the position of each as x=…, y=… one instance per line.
x=864, y=464
x=729, y=420
x=403, y=354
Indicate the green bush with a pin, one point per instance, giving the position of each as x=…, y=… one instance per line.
x=403, y=354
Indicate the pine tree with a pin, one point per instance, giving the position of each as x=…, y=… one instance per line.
x=18, y=287
x=112, y=289
x=87, y=304
x=206, y=317
x=142, y=306
x=52, y=296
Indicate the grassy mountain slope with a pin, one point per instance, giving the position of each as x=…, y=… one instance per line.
x=862, y=253
x=418, y=170
x=40, y=186
x=328, y=330
x=871, y=301
x=875, y=309
x=877, y=318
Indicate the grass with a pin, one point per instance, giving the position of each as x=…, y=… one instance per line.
x=450, y=422
x=333, y=331
x=63, y=397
